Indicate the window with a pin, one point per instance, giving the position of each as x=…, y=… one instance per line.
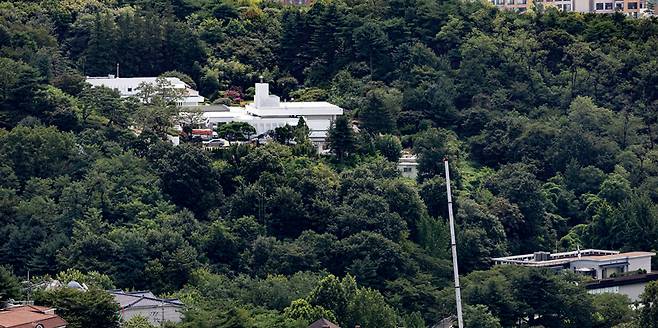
x=608, y=6
x=406, y=169
x=130, y=89
x=522, y=2
x=510, y=2
x=567, y=7
x=599, y=6
x=619, y=6
x=632, y=5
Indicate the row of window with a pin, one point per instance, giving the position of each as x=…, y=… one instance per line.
x=509, y=2
x=567, y=6
x=618, y=5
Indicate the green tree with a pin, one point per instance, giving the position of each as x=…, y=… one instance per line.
x=649, y=313
x=234, y=131
x=479, y=316
x=381, y=110
x=389, y=146
x=10, y=287
x=82, y=308
x=341, y=137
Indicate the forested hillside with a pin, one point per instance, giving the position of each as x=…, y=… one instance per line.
x=549, y=119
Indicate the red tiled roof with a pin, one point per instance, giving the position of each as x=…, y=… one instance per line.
x=202, y=131
x=28, y=316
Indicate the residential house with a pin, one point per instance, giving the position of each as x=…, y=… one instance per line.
x=144, y=303
x=408, y=165
x=611, y=271
x=30, y=316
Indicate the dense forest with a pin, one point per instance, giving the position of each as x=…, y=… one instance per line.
x=549, y=119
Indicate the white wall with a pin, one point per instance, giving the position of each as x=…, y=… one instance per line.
x=154, y=314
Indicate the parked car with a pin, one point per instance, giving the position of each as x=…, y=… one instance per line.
x=215, y=143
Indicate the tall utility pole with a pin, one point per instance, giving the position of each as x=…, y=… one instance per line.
x=453, y=246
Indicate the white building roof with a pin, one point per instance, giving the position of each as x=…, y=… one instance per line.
x=129, y=86
x=595, y=255
x=132, y=82
x=141, y=299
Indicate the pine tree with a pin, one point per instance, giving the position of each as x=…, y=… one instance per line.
x=341, y=137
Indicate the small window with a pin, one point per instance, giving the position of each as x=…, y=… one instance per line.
x=130, y=89
x=608, y=6
x=599, y=6
x=406, y=169
x=632, y=5
x=567, y=7
x=510, y=2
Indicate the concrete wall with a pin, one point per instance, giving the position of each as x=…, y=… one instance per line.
x=633, y=291
x=640, y=263
x=154, y=314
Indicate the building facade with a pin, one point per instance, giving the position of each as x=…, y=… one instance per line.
x=633, y=8
x=145, y=304
x=268, y=112
x=611, y=271
x=408, y=166
x=129, y=87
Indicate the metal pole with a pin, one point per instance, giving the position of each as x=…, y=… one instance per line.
x=453, y=246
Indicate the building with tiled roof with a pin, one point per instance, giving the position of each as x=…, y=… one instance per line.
x=147, y=305
x=30, y=316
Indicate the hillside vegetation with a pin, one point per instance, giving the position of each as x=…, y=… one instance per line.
x=549, y=119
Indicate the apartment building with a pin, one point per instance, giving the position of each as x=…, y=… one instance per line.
x=633, y=8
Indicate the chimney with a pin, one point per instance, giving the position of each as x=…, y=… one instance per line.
x=261, y=94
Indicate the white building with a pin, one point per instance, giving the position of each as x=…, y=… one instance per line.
x=408, y=166
x=268, y=112
x=612, y=271
x=145, y=304
x=129, y=87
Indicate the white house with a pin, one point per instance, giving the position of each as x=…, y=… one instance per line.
x=408, y=165
x=268, y=112
x=611, y=271
x=129, y=87
x=145, y=304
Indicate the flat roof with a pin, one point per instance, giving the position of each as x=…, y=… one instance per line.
x=596, y=255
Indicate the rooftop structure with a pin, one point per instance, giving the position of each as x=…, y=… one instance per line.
x=129, y=87
x=30, y=316
x=612, y=271
x=144, y=303
x=268, y=112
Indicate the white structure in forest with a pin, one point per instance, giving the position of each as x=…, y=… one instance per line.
x=268, y=112
x=143, y=303
x=129, y=87
x=611, y=271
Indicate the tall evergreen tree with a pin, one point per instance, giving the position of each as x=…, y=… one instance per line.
x=341, y=137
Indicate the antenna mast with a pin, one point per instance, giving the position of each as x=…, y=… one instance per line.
x=453, y=246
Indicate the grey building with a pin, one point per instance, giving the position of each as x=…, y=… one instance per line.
x=147, y=305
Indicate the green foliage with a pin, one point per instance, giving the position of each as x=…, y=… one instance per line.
x=10, y=287
x=548, y=120
x=341, y=137
x=82, y=308
x=92, y=279
x=649, y=313
x=137, y=322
